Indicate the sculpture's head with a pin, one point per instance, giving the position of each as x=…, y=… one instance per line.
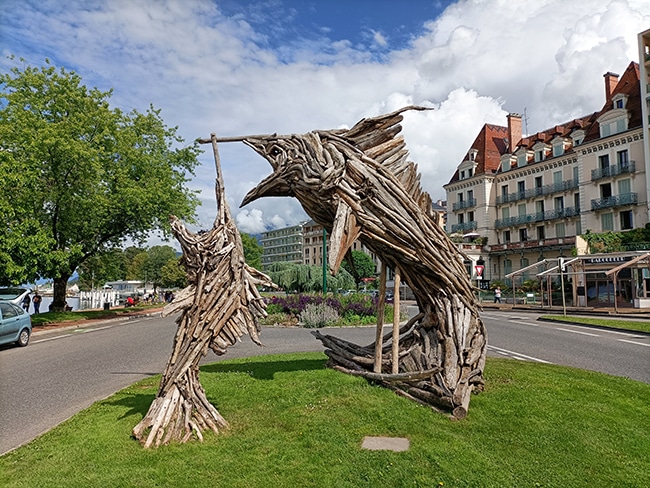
x=299, y=165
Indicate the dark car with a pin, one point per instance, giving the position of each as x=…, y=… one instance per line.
x=15, y=324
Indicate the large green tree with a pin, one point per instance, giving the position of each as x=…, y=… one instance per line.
x=79, y=177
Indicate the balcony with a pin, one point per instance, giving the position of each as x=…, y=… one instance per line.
x=614, y=170
x=464, y=226
x=464, y=204
x=553, y=243
x=614, y=201
x=539, y=191
x=560, y=213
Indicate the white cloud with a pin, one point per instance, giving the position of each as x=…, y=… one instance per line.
x=212, y=73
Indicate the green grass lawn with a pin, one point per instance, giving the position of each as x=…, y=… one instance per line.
x=636, y=325
x=58, y=317
x=295, y=423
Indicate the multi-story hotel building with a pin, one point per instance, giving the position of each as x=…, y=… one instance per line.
x=530, y=196
x=282, y=245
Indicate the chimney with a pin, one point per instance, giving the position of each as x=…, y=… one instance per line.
x=611, y=80
x=514, y=131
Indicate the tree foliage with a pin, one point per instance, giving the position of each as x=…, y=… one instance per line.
x=252, y=250
x=303, y=278
x=79, y=176
x=363, y=266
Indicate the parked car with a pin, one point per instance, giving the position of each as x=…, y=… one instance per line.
x=15, y=324
x=13, y=295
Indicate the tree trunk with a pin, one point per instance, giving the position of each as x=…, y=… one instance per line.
x=60, y=294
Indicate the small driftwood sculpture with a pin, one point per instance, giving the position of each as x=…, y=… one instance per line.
x=357, y=183
x=220, y=305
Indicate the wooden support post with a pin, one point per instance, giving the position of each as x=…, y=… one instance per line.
x=380, y=318
x=395, y=352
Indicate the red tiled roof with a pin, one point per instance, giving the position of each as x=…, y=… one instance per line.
x=491, y=142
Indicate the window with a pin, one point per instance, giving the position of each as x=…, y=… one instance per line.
x=558, y=202
x=540, y=233
x=521, y=209
x=506, y=236
x=605, y=130
x=505, y=213
x=607, y=222
x=576, y=201
x=576, y=177
x=622, y=160
x=560, y=230
x=521, y=189
x=470, y=216
x=523, y=235
x=459, y=198
x=507, y=266
x=618, y=103
x=470, y=196
x=603, y=162
x=606, y=190
x=521, y=160
x=539, y=206
x=504, y=192
x=462, y=175
x=624, y=186
x=557, y=178
x=538, y=182
x=558, y=148
x=461, y=218
x=539, y=155
x=626, y=220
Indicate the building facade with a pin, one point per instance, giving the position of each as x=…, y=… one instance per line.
x=282, y=245
x=530, y=196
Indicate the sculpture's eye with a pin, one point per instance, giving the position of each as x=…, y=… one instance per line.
x=275, y=151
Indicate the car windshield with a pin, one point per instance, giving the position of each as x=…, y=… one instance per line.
x=11, y=293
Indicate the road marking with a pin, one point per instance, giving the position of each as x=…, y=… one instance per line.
x=50, y=338
x=577, y=332
x=524, y=323
x=634, y=342
x=517, y=355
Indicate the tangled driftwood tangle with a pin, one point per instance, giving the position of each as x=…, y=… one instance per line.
x=357, y=183
x=220, y=305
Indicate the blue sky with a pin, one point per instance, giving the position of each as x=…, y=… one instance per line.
x=249, y=67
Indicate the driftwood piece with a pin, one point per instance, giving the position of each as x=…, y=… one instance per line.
x=220, y=305
x=359, y=183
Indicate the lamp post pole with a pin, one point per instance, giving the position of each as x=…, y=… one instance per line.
x=324, y=261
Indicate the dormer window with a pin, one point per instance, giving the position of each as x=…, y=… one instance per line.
x=614, y=121
x=578, y=137
x=472, y=154
x=619, y=101
x=558, y=146
x=540, y=150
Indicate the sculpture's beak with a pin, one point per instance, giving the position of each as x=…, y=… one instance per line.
x=273, y=185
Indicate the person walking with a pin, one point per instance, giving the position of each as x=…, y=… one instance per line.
x=26, y=301
x=497, y=295
x=37, y=302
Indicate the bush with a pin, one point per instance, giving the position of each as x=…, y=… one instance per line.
x=318, y=315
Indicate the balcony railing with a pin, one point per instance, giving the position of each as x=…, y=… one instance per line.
x=464, y=226
x=559, y=213
x=614, y=170
x=464, y=204
x=554, y=242
x=539, y=191
x=614, y=201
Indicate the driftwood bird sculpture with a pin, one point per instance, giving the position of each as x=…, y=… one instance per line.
x=358, y=184
x=220, y=305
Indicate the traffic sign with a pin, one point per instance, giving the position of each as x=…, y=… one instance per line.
x=479, y=270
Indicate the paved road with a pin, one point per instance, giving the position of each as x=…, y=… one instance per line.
x=64, y=371
x=520, y=335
